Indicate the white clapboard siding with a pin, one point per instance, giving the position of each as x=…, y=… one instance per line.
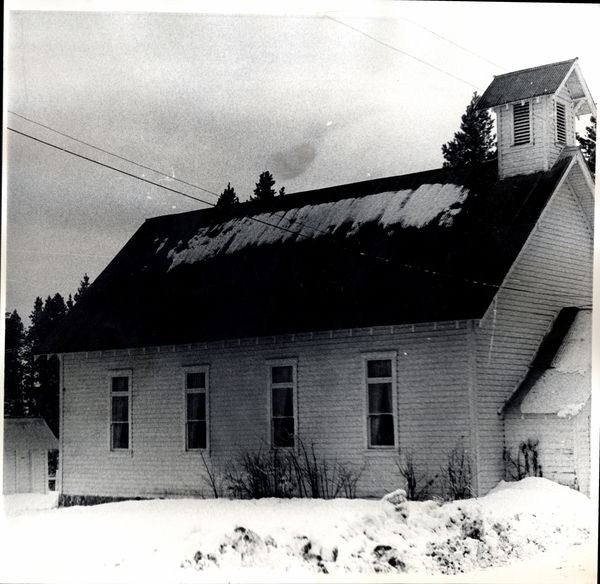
x=544, y=148
x=564, y=443
x=432, y=400
x=553, y=271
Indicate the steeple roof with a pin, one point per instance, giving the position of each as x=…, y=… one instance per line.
x=539, y=81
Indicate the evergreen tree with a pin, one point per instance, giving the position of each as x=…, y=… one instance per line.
x=227, y=199
x=264, y=190
x=45, y=380
x=82, y=290
x=588, y=144
x=475, y=141
x=16, y=402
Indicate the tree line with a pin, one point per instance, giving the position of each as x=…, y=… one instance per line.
x=31, y=386
x=263, y=191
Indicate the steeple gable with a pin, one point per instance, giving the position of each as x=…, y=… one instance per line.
x=535, y=113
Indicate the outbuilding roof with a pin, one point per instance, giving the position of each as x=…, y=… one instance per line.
x=422, y=247
x=539, y=81
x=559, y=377
x=28, y=434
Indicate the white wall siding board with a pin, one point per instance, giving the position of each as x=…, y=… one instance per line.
x=582, y=441
x=432, y=409
x=555, y=437
x=553, y=271
x=543, y=150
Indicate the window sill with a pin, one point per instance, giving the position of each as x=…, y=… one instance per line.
x=380, y=451
x=122, y=453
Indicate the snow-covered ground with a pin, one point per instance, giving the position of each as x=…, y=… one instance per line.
x=530, y=531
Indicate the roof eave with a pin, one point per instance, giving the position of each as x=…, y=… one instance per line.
x=587, y=99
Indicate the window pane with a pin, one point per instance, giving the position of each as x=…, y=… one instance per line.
x=282, y=374
x=196, y=380
x=380, y=398
x=120, y=408
x=381, y=430
x=120, y=383
x=283, y=401
x=196, y=435
x=120, y=435
x=379, y=368
x=283, y=432
x=196, y=406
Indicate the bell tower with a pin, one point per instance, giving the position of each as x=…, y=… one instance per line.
x=535, y=112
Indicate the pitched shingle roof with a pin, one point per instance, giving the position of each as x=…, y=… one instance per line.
x=525, y=84
x=423, y=247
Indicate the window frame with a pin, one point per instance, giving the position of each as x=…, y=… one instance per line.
x=391, y=356
x=529, y=123
x=289, y=362
x=186, y=391
x=116, y=373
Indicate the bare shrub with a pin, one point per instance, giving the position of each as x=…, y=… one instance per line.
x=319, y=478
x=261, y=474
x=526, y=463
x=418, y=484
x=292, y=472
x=213, y=478
x=457, y=475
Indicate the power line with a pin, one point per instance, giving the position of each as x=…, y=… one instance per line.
x=402, y=52
x=453, y=43
x=277, y=226
x=209, y=203
x=111, y=153
x=113, y=168
x=534, y=115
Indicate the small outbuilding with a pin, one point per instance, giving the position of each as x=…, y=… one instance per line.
x=29, y=448
x=547, y=418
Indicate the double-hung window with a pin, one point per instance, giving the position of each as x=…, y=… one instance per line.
x=120, y=411
x=282, y=384
x=380, y=381
x=196, y=409
x=521, y=123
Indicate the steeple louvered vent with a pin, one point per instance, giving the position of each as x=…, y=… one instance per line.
x=535, y=115
x=522, y=125
x=561, y=123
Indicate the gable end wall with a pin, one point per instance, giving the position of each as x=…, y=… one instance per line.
x=554, y=270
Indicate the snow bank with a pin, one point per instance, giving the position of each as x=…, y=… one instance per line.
x=289, y=540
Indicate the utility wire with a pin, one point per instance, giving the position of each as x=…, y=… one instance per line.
x=112, y=153
x=537, y=85
x=453, y=43
x=209, y=203
x=112, y=167
x=401, y=51
x=277, y=226
x=147, y=168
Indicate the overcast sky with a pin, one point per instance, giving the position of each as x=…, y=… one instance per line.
x=317, y=97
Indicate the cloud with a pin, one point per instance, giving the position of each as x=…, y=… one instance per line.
x=290, y=163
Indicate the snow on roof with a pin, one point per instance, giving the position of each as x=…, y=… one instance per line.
x=565, y=386
x=406, y=208
x=28, y=434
